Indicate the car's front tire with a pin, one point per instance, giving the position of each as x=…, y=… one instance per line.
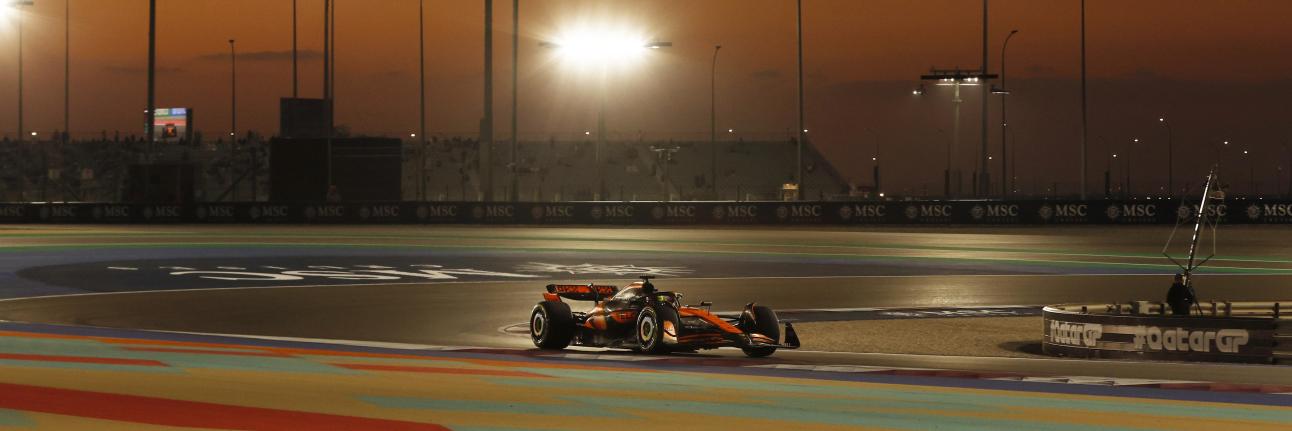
x=761, y=320
x=650, y=328
x=551, y=325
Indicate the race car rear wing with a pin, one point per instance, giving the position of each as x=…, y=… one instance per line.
x=582, y=292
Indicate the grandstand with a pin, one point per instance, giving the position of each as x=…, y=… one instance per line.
x=97, y=170
x=634, y=170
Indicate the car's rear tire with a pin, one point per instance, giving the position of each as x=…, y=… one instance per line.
x=650, y=328
x=761, y=320
x=551, y=325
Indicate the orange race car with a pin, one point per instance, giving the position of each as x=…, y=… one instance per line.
x=641, y=318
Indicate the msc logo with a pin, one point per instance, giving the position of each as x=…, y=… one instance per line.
x=1184, y=340
x=11, y=211
x=1255, y=211
x=60, y=211
x=1069, y=211
x=494, y=211
x=551, y=211
x=1115, y=212
x=326, y=211
x=993, y=211
x=162, y=211
x=673, y=212
x=379, y=211
x=1185, y=212
x=111, y=211
x=798, y=211
x=928, y=211
x=612, y=211
x=268, y=211
x=847, y=212
x=735, y=212
x=437, y=211
x=214, y=211
x=1075, y=334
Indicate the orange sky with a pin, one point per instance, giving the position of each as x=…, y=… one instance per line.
x=862, y=58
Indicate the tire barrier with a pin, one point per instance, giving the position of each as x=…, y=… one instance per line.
x=658, y=213
x=1247, y=332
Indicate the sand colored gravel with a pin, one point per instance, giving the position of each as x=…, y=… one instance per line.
x=979, y=336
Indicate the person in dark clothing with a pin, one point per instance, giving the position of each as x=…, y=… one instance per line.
x=1180, y=297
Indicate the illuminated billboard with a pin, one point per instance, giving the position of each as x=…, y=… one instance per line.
x=173, y=125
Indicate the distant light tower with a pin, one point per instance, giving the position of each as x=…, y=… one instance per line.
x=802, y=131
x=713, y=123
x=1170, y=157
x=17, y=4
x=1004, y=119
x=233, y=92
x=600, y=49
x=954, y=78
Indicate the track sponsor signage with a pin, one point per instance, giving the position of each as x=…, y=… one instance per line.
x=439, y=212
x=555, y=213
x=163, y=213
x=814, y=213
x=65, y=213
x=996, y=213
x=111, y=213
x=863, y=213
x=13, y=213
x=682, y=213
x=1131, y=213
x=325, y=213
x=1064, y=213
x=662, y=213
x=1269, y=212
x=736, y=213
x=930, y=212
x=1155, y=337
x=216, y=213
x=494, y=213
x=616, y=213
x=269, y=213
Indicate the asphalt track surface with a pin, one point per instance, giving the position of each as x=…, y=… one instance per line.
x=462, y=285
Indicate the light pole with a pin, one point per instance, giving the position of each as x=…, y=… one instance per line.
x=421, y=96
x=802, y=132
x=295, y=87
x=713, y=122
x=983, y=178
x=1170, y=154
x=486, y=123
x=1004, y=120
x=954, y=78
x=16, y=4
x=515, y=98
x=1084, y=110
x=67, y=71
x=233, y=92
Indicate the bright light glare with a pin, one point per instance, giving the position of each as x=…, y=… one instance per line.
x=600, y=45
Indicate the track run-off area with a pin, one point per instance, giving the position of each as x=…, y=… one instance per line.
x=348, y=306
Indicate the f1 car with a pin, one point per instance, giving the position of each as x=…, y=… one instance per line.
x=641, y=318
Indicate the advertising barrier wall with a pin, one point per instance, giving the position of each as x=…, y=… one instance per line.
x=1205, y=339
x=658, y=213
